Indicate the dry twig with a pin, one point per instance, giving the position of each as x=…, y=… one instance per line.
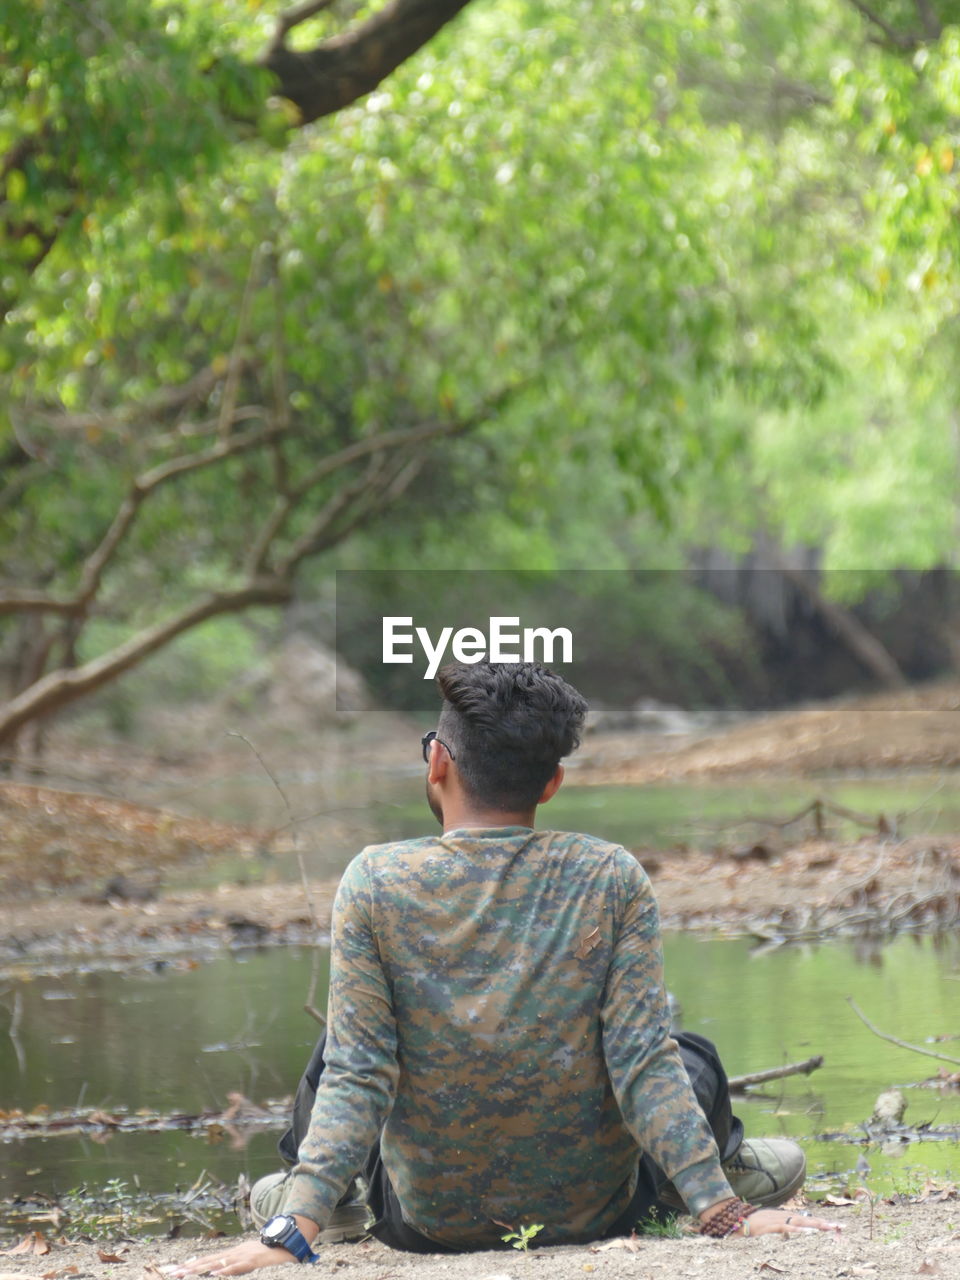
x=309, y=1007
x=916, y=1048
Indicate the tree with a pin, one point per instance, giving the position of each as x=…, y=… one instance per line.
x=867, y=477
x=237, y=340
x=73, y=76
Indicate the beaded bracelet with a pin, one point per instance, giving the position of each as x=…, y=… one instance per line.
x=729, y=1219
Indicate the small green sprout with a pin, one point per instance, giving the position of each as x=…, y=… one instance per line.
x=667, y=1228
x=520, y=1237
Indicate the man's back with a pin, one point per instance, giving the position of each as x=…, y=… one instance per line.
x=505, y=970
x=495, y=946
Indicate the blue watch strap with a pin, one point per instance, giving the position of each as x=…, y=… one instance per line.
x=296, y=1243
x=281, y=1232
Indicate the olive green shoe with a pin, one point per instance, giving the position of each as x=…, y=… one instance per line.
x=763, y=1171
x=766, y=1171
x=349, y=1220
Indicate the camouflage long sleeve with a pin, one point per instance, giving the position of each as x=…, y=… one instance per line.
x=497, y=1004
x=359, y=1081
x=648, y=1077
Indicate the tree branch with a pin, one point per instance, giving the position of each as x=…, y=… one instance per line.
x=231, y=386
x=270, y=530
x=378, y=495
x=145, y=484
x=401, y=438
x=932, y=26
x=293, y=17
x=93, y=569
x=737, y=1083
x=902, y=42
x=393, y=460
x=310, y=541
x=847, y=627
x=319, y=81
x=351, y=64
x=915, y=1048
x=392, y=439
x=159, y=404
x=36, y=602
x=287, y=502
x=60, y=688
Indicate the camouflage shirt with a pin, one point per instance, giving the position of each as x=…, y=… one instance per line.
x=497, y=1004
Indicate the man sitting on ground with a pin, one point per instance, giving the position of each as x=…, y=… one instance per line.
x=498, y=1052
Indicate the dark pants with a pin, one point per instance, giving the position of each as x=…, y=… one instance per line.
x=707, y=1076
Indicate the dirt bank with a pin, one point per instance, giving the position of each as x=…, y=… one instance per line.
x=110, y=857
x=913, y=729
x=807, y=890
x=879, y=1242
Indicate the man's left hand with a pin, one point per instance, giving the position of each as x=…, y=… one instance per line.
x=236, y=1261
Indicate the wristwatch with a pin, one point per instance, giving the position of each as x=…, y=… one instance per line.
x=281, y=1232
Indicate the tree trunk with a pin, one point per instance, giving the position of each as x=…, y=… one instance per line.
x=864, y=646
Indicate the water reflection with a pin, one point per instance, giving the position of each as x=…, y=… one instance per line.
x=184, y=1039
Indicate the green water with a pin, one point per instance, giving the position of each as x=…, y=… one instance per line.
x=331, y=828
x=182, y=1036
x=790, y=1004
x=181, y=1039
x=706, y=814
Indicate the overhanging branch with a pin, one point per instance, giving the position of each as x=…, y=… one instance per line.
x=293, y=17
x=36, y=602
x=351, y=64
x=319, y=81
x=60, y=688
x=899, y=41
x=141, y=488
x=392, y=459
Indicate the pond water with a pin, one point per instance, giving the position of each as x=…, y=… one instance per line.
x=336, y=815
x=182, y=1035
x=182, y=1038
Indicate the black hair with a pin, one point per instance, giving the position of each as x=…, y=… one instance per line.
x=508, y=725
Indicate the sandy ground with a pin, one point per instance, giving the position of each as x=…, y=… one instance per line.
x=913, y=729
x=878, y=1242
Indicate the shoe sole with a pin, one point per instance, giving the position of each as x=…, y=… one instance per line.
x=352, y=1226
x=783, y=1193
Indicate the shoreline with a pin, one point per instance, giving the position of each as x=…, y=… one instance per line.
x=879, y=1239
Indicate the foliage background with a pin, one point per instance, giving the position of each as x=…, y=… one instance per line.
x=661, y=281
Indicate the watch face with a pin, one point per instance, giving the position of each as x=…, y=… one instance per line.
x=276, y=1227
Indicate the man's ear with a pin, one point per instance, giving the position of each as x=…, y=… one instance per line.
x=439, y=763
x=552, y=787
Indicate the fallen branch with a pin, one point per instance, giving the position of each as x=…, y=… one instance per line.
x=240, y=1114
x=916, y=1048
x=817, y=809
x=737, y=1083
